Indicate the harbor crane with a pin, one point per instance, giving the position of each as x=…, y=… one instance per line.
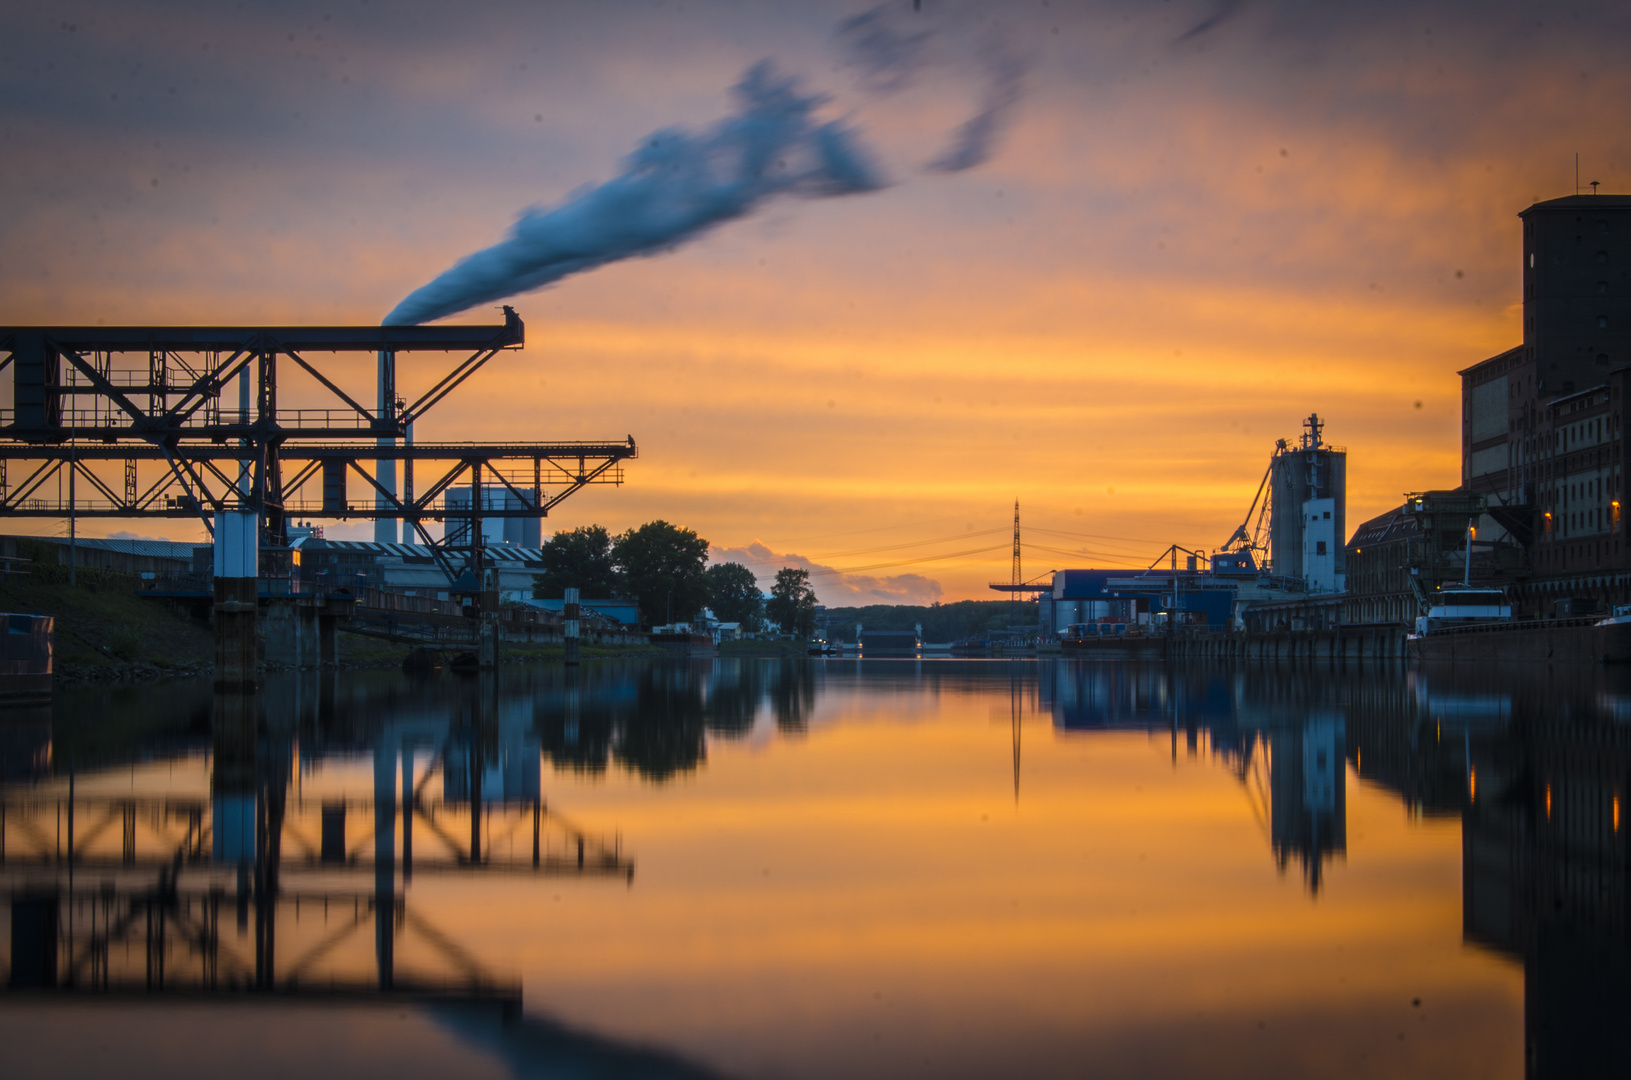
x=1254, y=535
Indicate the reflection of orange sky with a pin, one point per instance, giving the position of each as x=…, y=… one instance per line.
x=879, y=878
x=1178, y=254
x=850, y=899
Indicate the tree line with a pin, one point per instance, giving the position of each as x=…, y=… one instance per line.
x=664, y=569
x=663, y=731
x=960, y=620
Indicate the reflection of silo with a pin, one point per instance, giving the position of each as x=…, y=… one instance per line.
x=1308, y=807
x=1311, y=470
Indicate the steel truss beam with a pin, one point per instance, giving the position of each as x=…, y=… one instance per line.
x=88, y=396
x=196, y=478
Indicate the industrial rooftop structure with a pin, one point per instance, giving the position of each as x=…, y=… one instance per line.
x=177, y=422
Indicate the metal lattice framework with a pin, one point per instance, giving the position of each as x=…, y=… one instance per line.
x=156, y=402
x=132, y=889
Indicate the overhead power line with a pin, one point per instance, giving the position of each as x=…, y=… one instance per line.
x=820, y=571
x=907, y=544
x=874, y=529
x=1093, y=536
x=1098, y=556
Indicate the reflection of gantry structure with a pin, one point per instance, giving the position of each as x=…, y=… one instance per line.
x=156, y=401
x=146, y=835
x=115, y=894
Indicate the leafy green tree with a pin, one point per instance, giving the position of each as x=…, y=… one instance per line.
x=662, y=567
x=578, y=558
x=792, y=602
x=733, y=594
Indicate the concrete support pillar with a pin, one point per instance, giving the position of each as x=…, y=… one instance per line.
x=237, y=564
x=298, y=633
x=569, y=628
x=572, y=707
x=328, y=639
x=385, y=861
x=331, y=844
x=232, y=776
x=234, y=810
x=35, y=938
x=235, y=626
x=407, y=816
x=281, y=632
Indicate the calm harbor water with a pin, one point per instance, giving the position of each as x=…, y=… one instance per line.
x=830, y=868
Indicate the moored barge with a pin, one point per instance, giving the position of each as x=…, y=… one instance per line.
x=1470, y=624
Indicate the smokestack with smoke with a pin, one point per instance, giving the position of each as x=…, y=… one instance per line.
x=675, y=187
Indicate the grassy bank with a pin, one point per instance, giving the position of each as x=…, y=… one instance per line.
x=104, y=632
x=773, y=650
x=359, y=651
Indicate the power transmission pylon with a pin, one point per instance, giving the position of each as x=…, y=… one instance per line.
x=1013, y=601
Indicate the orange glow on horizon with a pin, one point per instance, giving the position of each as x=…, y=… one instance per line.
x=1118, y=354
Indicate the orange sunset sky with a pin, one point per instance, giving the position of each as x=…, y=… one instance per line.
x=1201, y=221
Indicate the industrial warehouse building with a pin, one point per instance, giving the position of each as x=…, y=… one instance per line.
x=1543, y=454
x=1307, y=487
x=120, y=556
x=1542, y=423
x=411, y=569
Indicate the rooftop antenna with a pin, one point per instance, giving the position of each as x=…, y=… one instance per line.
x=1594, y=184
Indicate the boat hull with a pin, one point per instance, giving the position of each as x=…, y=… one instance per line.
x=1115, y=648
x=1556, y=641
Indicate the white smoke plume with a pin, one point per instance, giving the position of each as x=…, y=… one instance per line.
x=675, y=187
x=887, y=57
x=976, y=138
x=890, y=54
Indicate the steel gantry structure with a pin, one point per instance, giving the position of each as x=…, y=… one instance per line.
x=158, y=401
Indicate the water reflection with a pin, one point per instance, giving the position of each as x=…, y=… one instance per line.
x=161, y=841
x=655, y=719
x=1281, y=733
x=283, y=816
x=1534, y=762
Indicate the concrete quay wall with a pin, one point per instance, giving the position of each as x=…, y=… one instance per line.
x=1341, y=643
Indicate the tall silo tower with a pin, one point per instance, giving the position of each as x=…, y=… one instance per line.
x=1308, y=511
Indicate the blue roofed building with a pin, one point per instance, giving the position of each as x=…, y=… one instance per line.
x=1203, y=600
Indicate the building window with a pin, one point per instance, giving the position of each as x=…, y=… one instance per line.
x=1602, y=322
x=1319, y=547
x=1602, y=288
